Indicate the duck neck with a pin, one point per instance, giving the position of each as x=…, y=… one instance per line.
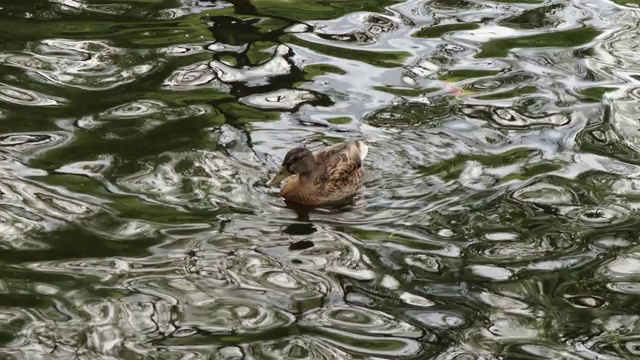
x=307, y=177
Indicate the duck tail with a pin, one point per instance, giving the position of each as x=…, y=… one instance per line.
x=363, y=149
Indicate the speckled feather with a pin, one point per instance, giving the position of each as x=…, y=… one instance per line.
x=337, y=176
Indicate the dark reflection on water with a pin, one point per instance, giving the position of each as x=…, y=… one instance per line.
x=498, y=218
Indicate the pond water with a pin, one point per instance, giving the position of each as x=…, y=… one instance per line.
x=499, y=217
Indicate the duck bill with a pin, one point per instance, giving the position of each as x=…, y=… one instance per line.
x=282, y=174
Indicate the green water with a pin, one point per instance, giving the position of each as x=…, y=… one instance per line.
x=499, y=215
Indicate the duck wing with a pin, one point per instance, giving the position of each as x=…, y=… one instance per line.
x=355, y=150
x=341, y=170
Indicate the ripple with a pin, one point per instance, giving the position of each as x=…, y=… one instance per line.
x=15, y=95
x=545, y=194
x=416, y=300
x=439, y=319
x=503, y=302
x=585, y=302
x=27, y=145
x=258, y=74
x=88, y=168
x=624, y=127
x=103, y=270
x=358, y=28
x=518, y=252
x=135, y=109
x=475, y=176
x=294, y=282
x=424, y=262
x=544, y=351
x=625, y=287
x=215, y=179
x=622, y=46
x=232, y=315
x=514, y=117
x=351, y=318
x=155, y=112
x=27, y=209
x=491, y=272
x=497, y=218
x=622, y=266
x=504, y=327
x=411, y=114
x=87, y=65
x=345, y=325
x=279, y=99
x=194, y=76
x=600, y=215
x=561, y=263
x=298, y=347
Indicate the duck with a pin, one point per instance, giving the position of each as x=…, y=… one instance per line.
x=331, y=176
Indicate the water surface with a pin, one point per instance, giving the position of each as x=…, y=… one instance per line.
x=499, y=216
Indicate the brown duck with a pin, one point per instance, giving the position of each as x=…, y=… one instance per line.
x=331, y=176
